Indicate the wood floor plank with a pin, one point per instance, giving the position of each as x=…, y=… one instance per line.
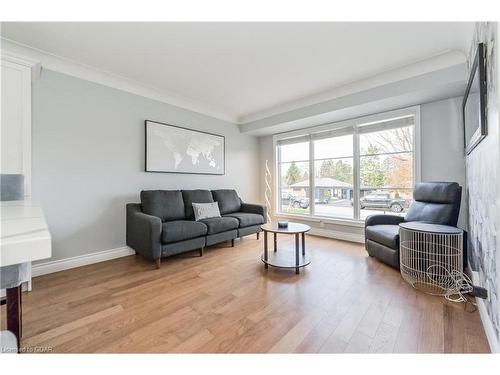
x=432, y=333
x=409, y=330
x=226, y=302
x=475, y=338
x=193, y=343
x=45, y=336
x=359, y=343
x=454, y=337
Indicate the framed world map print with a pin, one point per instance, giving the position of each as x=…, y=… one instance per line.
x=173, y=149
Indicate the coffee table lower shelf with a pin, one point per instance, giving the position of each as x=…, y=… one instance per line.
x=284, y=258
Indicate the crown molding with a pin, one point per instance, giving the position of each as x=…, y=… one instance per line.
x=73, y=68
x=32, y=64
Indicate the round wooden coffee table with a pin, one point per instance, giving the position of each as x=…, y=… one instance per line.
x=286, y=258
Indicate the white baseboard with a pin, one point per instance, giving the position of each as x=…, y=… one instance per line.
x=79, y=261
x=485, y=318
x=352, y=237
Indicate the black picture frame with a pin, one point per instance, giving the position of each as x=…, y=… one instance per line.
x=186, y=129
x=479, y=68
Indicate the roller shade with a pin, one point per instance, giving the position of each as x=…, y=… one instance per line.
x=333, y=133
x=290, y=141
x=386, y=125
x=360, y=128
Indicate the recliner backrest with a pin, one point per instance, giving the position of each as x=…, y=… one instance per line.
x=228, y=200
x=436, y=203
x=168, y=205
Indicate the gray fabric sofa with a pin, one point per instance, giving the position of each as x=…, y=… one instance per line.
x=434, y=202
x=163, y=223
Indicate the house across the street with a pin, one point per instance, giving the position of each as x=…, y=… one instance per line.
x=326, y=189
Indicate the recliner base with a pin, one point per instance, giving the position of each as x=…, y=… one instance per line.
x=383, y=253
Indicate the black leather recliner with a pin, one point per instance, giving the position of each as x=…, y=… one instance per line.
x=434, y=202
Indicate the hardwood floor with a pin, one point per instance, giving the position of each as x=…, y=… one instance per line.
x=225, y=301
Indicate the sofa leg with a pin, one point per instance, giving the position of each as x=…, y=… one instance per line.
x=201, y=251
x=232, y=242
x=258, y=235
x=158, y=262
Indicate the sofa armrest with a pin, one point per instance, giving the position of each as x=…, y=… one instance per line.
x=383, y=219
x=254, y=209
x=143, y=232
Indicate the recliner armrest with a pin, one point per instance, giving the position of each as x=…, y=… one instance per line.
x=254, y=209
x=143, y=232
x=383, y=219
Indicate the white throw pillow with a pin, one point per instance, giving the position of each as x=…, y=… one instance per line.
x=205, y=210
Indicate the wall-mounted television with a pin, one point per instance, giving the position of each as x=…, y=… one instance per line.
x=474, y=103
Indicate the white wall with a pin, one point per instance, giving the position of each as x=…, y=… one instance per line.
x=88, y=159
x=442, y=156
x=443, y=146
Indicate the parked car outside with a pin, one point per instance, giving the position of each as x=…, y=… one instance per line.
x=383, y=201
x=304, y=202
x=288, y=198
x=299, y=202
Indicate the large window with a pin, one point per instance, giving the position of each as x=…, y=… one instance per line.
x=386, y=171
x=349, y=170
x=333, y=171
x=293, y=167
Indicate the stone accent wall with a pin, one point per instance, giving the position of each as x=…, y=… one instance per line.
x=483, y=181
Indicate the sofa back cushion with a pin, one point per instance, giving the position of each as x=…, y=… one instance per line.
x=228, y=200
x=435, y=202
x=195, y=196
x=168, y=205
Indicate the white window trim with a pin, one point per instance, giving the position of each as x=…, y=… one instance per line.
x=383, y=116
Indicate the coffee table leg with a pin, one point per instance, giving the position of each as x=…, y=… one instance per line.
x=303, y=244
x=265, y=249
x=275, y=243
x=297, y=253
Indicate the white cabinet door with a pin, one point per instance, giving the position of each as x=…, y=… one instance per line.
x=15, y=126
x=16, y=121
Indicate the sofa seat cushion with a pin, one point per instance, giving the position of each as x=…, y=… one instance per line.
x=220, y=224
x=246, y=219
x=180, y=230
x=387, y=235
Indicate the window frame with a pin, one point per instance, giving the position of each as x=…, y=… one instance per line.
x=355, y=126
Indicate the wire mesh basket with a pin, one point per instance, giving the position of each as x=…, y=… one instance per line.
x=431, y=257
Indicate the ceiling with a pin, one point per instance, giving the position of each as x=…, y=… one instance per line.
x=243, y=69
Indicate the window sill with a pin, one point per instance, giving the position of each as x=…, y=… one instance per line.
x=327, y=220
